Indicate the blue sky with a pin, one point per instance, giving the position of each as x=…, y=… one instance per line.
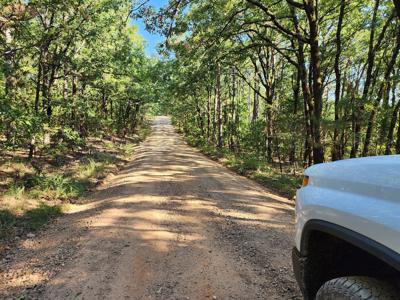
x=151, y=39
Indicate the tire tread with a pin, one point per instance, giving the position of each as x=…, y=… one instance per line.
x=357, y=288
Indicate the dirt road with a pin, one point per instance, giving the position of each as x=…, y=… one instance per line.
x=172, y=225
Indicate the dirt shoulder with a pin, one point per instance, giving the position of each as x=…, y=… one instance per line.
x=171, y=225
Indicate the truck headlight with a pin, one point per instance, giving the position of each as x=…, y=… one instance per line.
x=306, y=180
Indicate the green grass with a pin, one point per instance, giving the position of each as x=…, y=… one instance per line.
x=16, y=191
x=245, y=164
x=30, y=220
x=285, y=184
x=128, y=150
x=103, y=157
x=59, y=186
x=92, y=169
x=109, y=145
x=35, y=218
x=52, y=187
x=7, y=220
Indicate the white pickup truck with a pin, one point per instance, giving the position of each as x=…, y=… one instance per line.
x=348, y=230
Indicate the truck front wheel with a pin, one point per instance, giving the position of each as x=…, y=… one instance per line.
x=357, y=288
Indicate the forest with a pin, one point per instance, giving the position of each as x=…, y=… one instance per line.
x=69, y=69
x=75, y=83
x=299, y=82
x=266, y=87
x=302, y=82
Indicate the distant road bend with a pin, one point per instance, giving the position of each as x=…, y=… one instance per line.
x=172, y=225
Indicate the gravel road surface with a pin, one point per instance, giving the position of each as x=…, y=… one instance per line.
x=172, y=224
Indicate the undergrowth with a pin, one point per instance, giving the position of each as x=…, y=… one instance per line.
x=38, y=191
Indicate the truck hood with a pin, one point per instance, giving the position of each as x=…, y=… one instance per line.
x=377, y=176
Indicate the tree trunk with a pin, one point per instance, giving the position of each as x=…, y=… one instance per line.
x=45, y=88
x=397, y=7
x=199, y=117
x=234, y=112
x=103, y=103
x=390, y=141
x=219, y=110
x=65, y=87
x=208, y=113
x=269, y=139
x=359, y=108
x=296, y=100
x=336, y=145
x=254, y=115
x=74, y=91
x=308, y=105
x=49, y=104
x=215, y=109
x=315, y=64
x=386, y=113
x=134, y=117
x=31, y=152
x=398, y=138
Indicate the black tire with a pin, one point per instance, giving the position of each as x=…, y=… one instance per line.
x=357, y=288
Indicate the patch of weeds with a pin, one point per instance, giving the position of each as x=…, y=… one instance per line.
x=60, y=187
x=103, y=158
x=92, y=169
x=18, y=168
x=213, y=152
x=59, y=160
x=109, y=144
x=31, y=219
x=7, y=220
x=144, y=130
x=60, y=149
x=196, y=142
x=283, y=183
x=128, y=149
x=37, y=217
x=251, y=164
x=244, y=165
x=31, y=180
x=16, y=191
x=55, y=186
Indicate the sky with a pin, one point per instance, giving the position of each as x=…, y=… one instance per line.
x=151, y=40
